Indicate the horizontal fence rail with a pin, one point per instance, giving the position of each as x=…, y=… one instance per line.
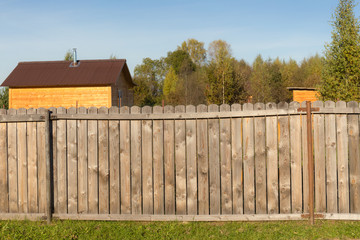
x=185, y=162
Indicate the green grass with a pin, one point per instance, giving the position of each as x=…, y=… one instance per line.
x=179, y=230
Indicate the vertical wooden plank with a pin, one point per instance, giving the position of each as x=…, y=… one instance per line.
x=260, y=161
x=136, y=163
x=214, y=162
x=61, y=148
x=93, y=164
x=236, y=149
x=225, y=157
x=249, y=164
x=284, y=161
x=103, y=134
x=295, y=159
x=41, y=173
x=82, y=130
x=54, y=164
x=32, y=164
x=331, y=169
x=147, y=166
x=72, y=163
x=343, y=167
x=272, y=162
x=191, y=166
x=180, y=163
x=125, y=174
x=12, y=164
x=305, y=161
x=203, y=164
x=169, y=162
x=158, y=151
x=354, y=158
x=114, y=162
x=4, y=196
x=319, y=159
x=22, y=164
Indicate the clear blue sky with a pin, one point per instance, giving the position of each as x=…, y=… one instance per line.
x=45, y=30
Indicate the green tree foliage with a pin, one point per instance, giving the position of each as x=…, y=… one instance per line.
x=4, y=98
x=341, y=73
x=173, y=89
x=69, y=56
x=149, y=77
x=195, y=49
x=310, y=71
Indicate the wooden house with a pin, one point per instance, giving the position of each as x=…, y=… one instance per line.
x=301, y=94
x=84, y=83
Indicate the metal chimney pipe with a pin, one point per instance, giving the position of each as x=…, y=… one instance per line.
x=74, y=56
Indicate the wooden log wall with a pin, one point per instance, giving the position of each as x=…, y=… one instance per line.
x=184, y=160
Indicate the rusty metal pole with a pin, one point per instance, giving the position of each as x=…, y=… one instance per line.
x=310, y=162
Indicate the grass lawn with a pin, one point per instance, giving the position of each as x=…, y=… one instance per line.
x=179, y=230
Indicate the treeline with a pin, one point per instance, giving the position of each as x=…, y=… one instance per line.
x=193, y=75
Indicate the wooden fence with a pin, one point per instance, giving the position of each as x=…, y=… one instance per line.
x=239, y=162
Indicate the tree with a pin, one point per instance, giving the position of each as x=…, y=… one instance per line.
x=149, y=77
x=4, y=98
x=195, y=49
x=69, y=56
x=341, y=73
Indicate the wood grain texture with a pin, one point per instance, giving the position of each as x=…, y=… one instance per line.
x=12, y=164
x=249, y=162
x=61, y=148
x=41, y=159
x=22, y=164
x=180, y=163
x=225, y=162
x=203, y=164
x=4, y=196
x=343, y=163
x=125, y=173
x=354, y=159
x=331, y=166
x=260, y=161
x=169, y=162
x=72, y=163
x=114, y=163
x=284, y=161
x=147, y=164
x=191, y=163
x=93, y=164
x=305, y=160
x=272, y=162
x=237, y=172
x=103, y=142
x=82, y=129
x=136, y=164
x=32, y=158
x=214, y=161
x=158, y=153
x=295, y=160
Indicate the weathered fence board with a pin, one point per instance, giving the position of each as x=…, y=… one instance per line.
x=185, y=161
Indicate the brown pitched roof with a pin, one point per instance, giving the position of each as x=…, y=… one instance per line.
x=61, y=73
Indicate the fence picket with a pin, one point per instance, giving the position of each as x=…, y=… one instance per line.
x=103, y=134
x=32, y=158
x=125, y=173
x=191, y=165
x=72, y=163
x=354, y=159
x=82, y=129
x=295, y=156
x=93, y=164
x=114, y=162
x=237, y=173
x=272, y=161
x=249, y=164
x=180, y=163
x=203, y=163
x=12, y=164
x=61, y=161
x=305, y=161
x=22, y=164
x=4, y=196
x=260, y=161
x=136, y=164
